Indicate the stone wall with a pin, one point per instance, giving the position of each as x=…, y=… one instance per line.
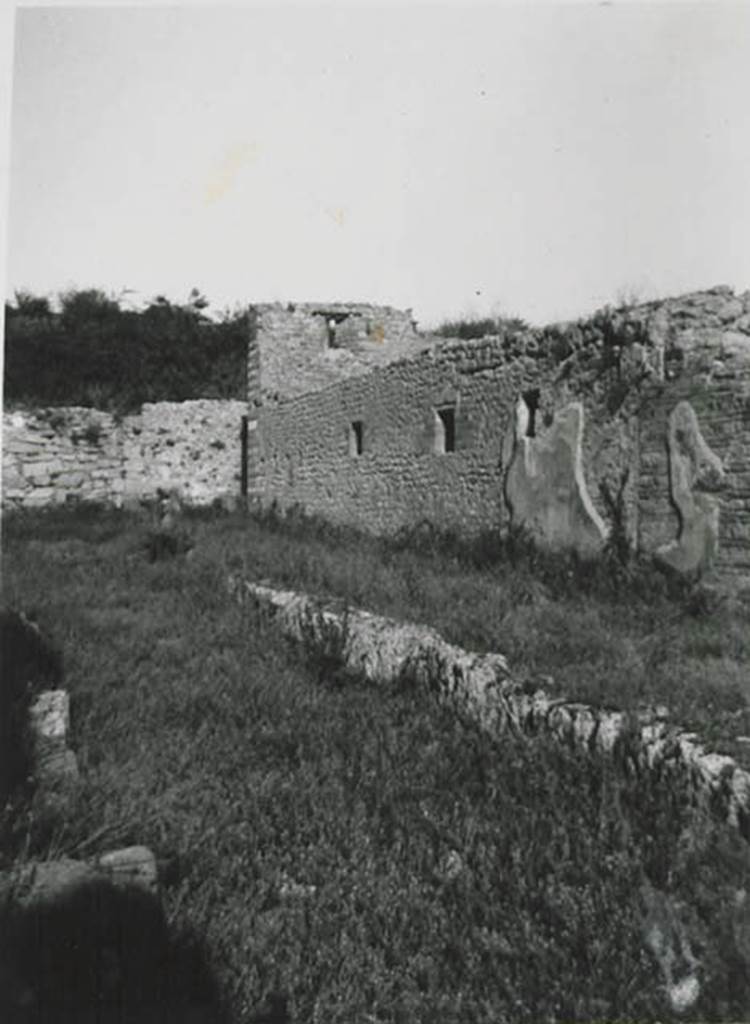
x=61, y=454
x=58, y=454
x=307, y=454
x=353, y=415
x=366, y=449
x=305, y=346
x=192, y=447
x=385, y=651
x=707, y=363
x=308, y=451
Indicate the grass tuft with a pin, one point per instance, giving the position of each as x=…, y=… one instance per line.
x=434, y=873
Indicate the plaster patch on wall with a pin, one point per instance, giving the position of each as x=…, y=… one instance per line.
x=693, y=470
x=545, y=488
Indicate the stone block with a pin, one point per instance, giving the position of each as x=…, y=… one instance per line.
x=482, y=684
x=70, y=479
x=133, y=865
x=49, y=720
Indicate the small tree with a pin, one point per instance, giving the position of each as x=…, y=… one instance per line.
x=30, y=305
x=85, y=307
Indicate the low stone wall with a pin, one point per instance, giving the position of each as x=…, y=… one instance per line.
x=192, y=447
x=385, y=651
x=56, y=455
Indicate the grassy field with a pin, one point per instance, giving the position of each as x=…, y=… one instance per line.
x=370, y=855
x=609, y=635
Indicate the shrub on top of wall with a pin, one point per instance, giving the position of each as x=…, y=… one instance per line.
x=480, y=327
x=94, y=353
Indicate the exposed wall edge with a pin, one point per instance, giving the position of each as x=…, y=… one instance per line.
x=385, y=650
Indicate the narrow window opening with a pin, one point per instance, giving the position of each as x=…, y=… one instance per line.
x=445, y=430
x=355, y=438
x=531, y=398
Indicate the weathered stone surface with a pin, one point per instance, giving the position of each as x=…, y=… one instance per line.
x=384, y=650
x=668, y=937
x=133, y=865
x=694, y=470
x=632, y=365
x=677, y=348
x=387, y=651
x=50, y=716
x=52, y=455
x=55, y=766
x=303, y=347
x=545, y=487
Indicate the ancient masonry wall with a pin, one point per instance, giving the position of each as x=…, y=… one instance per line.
x=370, y=449
x=56, y=455
x=709, y=366
x=306, y=346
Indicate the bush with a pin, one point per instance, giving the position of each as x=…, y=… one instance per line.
x=94, y=353
x=480, y=327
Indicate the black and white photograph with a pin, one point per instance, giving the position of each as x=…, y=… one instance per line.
x=375, y=535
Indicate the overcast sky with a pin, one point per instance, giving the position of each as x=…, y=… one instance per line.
x=536, y=160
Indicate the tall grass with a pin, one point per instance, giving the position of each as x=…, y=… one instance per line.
x=610, y=633
x=365, y=852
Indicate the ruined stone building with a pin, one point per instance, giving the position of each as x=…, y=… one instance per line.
x=637, y=419
x=634, y=420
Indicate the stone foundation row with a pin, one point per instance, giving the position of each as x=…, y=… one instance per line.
x=386, y=651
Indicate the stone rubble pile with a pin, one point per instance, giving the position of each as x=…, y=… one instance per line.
x=386, y=651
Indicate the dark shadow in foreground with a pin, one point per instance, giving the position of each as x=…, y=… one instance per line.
x=101, y=953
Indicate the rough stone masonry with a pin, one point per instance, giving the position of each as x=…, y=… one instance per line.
x=384, y=428
x=55, y=455
x=355, y=415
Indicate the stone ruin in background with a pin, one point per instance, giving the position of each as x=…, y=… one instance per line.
x=635, y=419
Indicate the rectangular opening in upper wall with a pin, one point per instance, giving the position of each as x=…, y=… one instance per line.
x=355, y=438
x=445, y=430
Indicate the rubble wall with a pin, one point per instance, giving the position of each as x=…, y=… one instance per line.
x=629, y=368
x=63, y=454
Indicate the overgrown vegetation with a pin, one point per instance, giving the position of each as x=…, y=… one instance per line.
x=480, y=327
x=614, y=632
x=367, y=854
x=94, y=352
